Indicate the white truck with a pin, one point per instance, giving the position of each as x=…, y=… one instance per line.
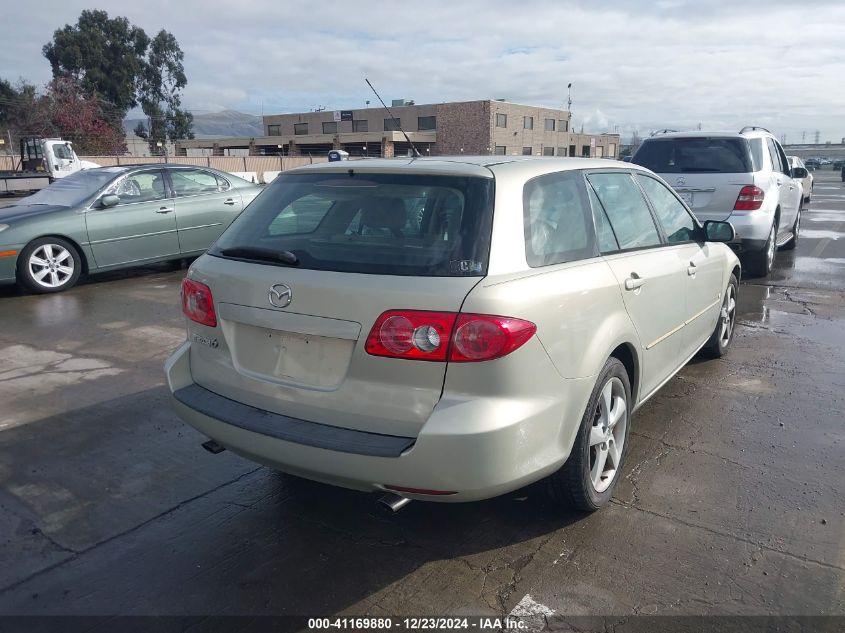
x=42, y=160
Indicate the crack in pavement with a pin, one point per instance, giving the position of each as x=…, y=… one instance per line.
x=79, y=553
x=729, y=535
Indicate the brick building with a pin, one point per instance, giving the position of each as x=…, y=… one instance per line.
x=440, y=129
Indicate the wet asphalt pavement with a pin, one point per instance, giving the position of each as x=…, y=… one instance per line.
x=732, y=502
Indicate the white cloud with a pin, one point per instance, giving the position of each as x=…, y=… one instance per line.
x=639, y=65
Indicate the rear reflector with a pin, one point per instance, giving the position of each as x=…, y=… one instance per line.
x=750, y=198
x=198, y=303
x=8, y=253
x=421, y=491
x=440, y=336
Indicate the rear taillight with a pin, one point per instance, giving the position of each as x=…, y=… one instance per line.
x=197, y=303
x=481, y=337
x=750, y=198
x=438, y=336
x=413, y=334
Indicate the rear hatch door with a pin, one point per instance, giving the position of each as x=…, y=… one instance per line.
x=707, y=172
x=291, y=336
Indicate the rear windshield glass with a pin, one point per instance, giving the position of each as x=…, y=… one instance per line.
x=695, y=156
x=387, y=224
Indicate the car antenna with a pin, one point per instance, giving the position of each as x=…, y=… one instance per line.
x=393, y=118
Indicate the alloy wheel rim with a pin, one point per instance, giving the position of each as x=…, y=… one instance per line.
x=607, y=435
x=51, y=265
x=728, y=316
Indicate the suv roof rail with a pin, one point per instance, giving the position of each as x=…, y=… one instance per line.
x=659, y=132
x=753, y=128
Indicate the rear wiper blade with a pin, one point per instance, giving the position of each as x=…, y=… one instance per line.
x=261, y=254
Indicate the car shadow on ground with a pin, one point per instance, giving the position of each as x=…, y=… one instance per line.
x=134, y=528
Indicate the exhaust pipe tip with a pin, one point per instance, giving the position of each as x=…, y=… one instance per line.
x=213, y=447
x=393, y=502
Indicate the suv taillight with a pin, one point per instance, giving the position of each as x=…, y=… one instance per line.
x=438, y=336
x=198, y=303
x=750, y=198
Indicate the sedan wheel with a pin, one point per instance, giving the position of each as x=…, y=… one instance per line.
x=587, y=479
x=607, y=435
x=49, y=265
x=724, y=331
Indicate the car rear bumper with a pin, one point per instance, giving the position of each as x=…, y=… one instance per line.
x=752, y=229
x=458, y=449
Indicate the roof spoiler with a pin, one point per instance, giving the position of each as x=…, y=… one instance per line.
x=753, y=128
x=659, y=132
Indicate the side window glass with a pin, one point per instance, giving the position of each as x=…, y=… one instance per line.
x=677, y=223
x=145, y=186
x=193, y=182
x=784, y=161
x=626, y=210
x=773, y=153
x=604, y=232
x=62, y=151
x=556, y=219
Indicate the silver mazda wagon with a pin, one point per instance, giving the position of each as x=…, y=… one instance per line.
x=450, y=329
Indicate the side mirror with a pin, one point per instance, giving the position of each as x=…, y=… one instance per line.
x=799, y=172
x=719, y=231
x=108, y=201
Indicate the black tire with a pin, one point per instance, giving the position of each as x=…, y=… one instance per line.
x=721, y=339
x=796, y=230
x=759, y=263
x=573, y=485
x=62, y=271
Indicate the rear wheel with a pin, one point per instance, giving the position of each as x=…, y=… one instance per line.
x=587, y=479
x=49, y=264
x=760, y=263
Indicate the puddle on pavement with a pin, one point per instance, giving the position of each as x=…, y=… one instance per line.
x=809, y=314
x=820, y=234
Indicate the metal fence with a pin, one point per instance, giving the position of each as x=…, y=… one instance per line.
x=256, y=168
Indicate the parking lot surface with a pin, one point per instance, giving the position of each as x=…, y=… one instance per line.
x=732, y=502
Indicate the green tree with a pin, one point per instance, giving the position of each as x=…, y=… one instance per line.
x=117, y=61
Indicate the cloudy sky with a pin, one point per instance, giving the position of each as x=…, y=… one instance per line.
x=633, y=65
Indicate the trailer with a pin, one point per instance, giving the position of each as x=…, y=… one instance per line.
x=41, y=161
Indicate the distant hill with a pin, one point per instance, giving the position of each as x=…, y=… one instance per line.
x=216, y=124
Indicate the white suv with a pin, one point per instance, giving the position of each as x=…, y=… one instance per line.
x=744, y=178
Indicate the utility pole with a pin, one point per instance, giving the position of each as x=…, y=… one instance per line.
x=817, y=136
x=803, y=136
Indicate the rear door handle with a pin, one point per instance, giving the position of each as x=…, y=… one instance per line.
x=229, y=201
x=691, y=269
x=633, y=282
x=165, y=210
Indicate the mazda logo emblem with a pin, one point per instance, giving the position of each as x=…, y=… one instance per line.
x=681, y=181
x=280, y=295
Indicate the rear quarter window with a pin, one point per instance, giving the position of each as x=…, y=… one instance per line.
x=556, y=214
x=695, y=156
x=389, y=224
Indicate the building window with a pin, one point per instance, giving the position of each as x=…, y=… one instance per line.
x=561, y=151
x=572, y=150
x=501, y=150
x=360, y=125
x=548, y=151
x=426, y=123
x=274, y=130
x=392, y=125
x=526, y=151
x=611, y=150
x=550, y=125
x=501, y=120
x=300, y=128
x=585, y=151
x=329, y=127
x=563, y=125
x=528, y=123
